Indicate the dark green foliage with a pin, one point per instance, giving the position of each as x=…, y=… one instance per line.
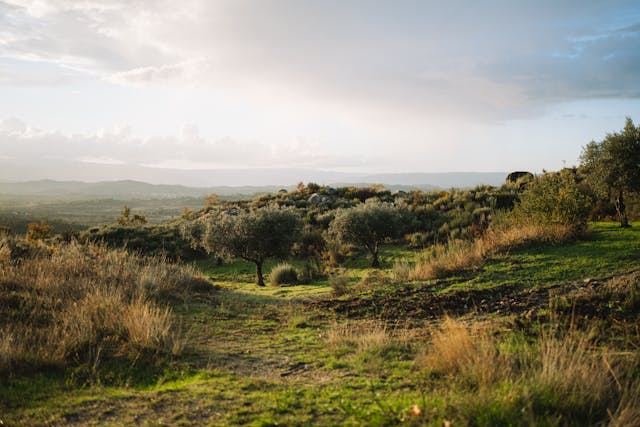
x=254, y=236
x=504, y=200
x=519, y=178
x=555, y=198
x=311, y=248
x=156, y=240
x=420, y=239
x=367, y=225
x=612, y=166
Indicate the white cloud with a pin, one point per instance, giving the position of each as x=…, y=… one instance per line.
x=187, y=150
x=181, y=72
x=100, y=160
x=490, y=61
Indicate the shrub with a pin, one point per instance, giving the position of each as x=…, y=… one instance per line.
x=339, y=284
x=418, y=239
x=38, y=231
x=165, y=240
x=283, y=274
x=554, y=198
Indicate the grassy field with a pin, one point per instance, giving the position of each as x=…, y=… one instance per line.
x=81, y=214
x=552, y=331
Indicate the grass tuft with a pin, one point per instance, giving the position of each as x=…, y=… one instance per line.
x=84, y=304
x=283, y=274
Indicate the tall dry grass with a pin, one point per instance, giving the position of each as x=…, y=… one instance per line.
x=360, y=336
x=372, y=334
x=76, y=304
x=564, y=372
x=459, y=255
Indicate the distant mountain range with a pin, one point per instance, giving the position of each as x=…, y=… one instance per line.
x=130, y=189
x=73, y=176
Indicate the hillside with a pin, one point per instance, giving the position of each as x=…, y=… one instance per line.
x=298, y=355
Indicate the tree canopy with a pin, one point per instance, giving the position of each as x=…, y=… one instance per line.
x=612, y=166
x=253, y=236
x=366, y=225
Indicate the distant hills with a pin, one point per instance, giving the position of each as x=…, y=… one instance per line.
x=246, y=184
x=125, y=189
x=205, y=179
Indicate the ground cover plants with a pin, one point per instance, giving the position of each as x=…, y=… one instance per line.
x=405, y=352
x=84, y=306
x=484, y=307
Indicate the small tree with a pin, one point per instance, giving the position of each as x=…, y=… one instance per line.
x=253, y=236
x=612, y=166
x=366, y=225
x=125, y=218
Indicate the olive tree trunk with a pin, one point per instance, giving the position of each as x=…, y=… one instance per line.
x=259, y=277
x=621, y=209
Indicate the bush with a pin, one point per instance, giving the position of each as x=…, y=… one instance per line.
x=554, y=198
x=339, y=284
x=165, y=240
x=38, y=231
x=283, y=274
x=419, y=239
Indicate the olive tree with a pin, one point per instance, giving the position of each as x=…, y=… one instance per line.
x=612, y=166
x=253, y=236
x=366, y=225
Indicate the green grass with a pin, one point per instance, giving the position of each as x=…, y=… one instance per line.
x=260, y=356
x=609, y=249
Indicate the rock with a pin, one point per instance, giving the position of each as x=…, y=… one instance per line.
x=317, y=199
x=519, y=178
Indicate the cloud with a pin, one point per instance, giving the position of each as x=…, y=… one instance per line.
x=186, y=150
x=410, y=58
x=180, y=72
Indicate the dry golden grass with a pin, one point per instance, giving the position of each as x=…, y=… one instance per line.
x=628, y=411
x=570, y=366
x=359, y=335
x=468, y=350
x=84, y=303
x=459, y=255
x=564, y=367
x=373, y=334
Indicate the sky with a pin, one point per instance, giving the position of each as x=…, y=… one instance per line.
x=344, y=85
